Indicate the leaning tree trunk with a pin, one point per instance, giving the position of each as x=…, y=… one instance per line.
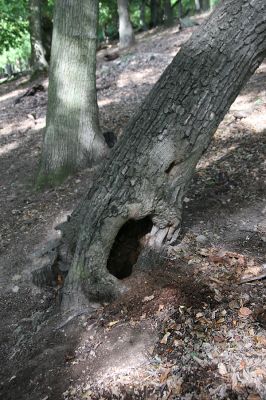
x=126, y=33
x=38, y=61
x=148, y=173
x=72, y=138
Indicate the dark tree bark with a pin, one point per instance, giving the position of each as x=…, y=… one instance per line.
x=142, y=15
x=72, y=137
x=47, y=31
x=126, y=33
x=180, y=8
x=148, y=173
x=38, y=61
x=205, y=5
x=168, y=13
x=154, y=13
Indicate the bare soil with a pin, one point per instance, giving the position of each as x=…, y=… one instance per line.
x=192, y=323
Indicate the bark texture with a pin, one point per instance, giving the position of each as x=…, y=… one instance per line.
x=38, y=61
x=72, y=138
x=149, y=170
x=126, y=33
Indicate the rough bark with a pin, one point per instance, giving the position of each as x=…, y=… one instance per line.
x=38, y=61
x=72, y=138
x=126, y=33
x=149, y=170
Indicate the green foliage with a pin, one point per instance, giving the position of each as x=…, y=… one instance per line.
x=108, y=19
x=13, y=23
x=214, y=2
x=14, y=28
x=13, y=56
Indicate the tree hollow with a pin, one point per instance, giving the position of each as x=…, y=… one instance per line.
x=127, y=246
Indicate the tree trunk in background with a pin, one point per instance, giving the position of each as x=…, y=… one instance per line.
x=154, y=13
x=142, y=15
x=46, y=29
x=38, y=61
x=126, y=33
x=204, y=5
x=180, y=9
x=197, y=6
x=47, y=32
x=168, y=13
x=149, y=170
x=72, y=138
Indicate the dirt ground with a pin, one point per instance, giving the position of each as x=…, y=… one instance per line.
x=192, y=323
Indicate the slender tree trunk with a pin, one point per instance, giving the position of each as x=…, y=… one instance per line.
x=72, y=138
x=180, y=8
x=126, y=33
x=168, y=13
x=46, y=29
x=154, y=13
x=149, y=170
x=38, y=61
x=197, y=6
x=142, y=15
x=204, y=5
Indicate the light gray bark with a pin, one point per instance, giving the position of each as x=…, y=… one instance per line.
x=126, y=33
x=149, y=170
x=38, y=61
x=197, y=5
x=72, y=138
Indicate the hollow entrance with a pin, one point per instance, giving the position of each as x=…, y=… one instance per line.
x=127, y=246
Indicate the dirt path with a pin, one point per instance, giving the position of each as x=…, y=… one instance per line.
x=191, y=330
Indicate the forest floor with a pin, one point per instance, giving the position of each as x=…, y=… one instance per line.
x=192, y=324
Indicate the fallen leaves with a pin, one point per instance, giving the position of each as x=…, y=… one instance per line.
x=222, y=369
x=148, y=298
x=165, y=338
x=244, y=312
x=165, y=375
x=260, y=340
x=112, y=323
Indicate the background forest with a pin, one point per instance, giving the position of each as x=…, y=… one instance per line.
x=139, y=275
x=15, y=46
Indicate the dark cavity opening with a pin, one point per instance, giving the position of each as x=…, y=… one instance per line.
x=127, y=246
x=170, y=167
